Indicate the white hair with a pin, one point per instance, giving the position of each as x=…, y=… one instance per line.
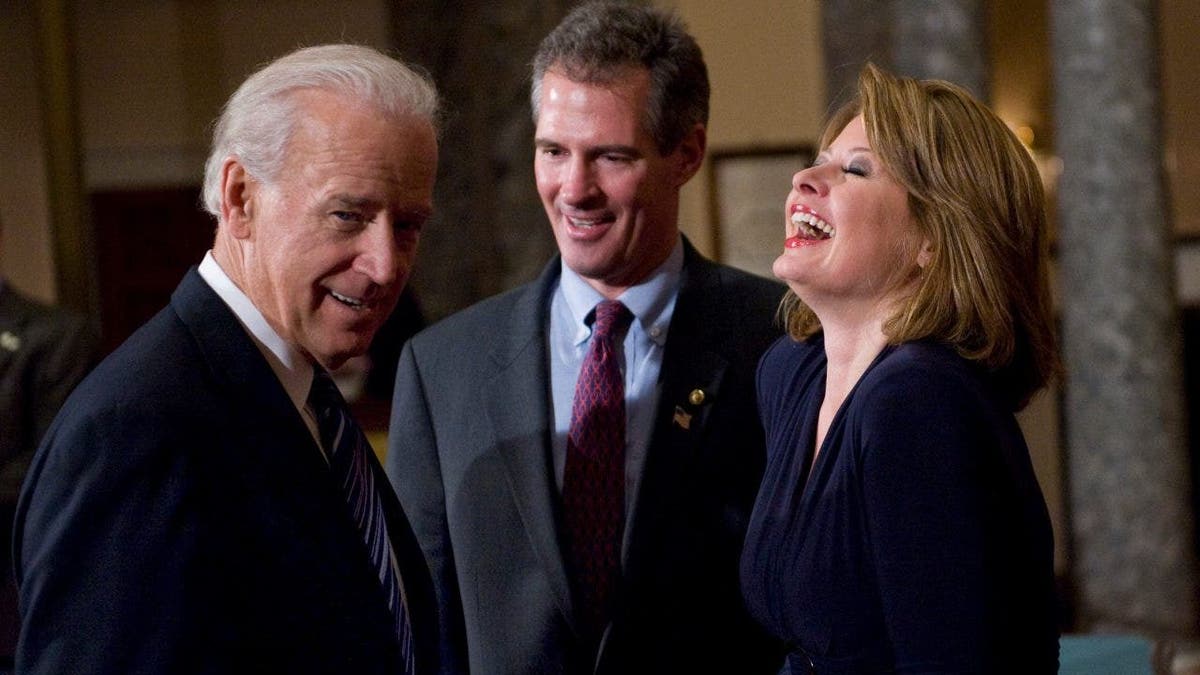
x=258, y=119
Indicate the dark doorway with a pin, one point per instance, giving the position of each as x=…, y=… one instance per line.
x=146, y=239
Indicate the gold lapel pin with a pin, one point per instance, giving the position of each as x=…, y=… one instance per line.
x=696, y=397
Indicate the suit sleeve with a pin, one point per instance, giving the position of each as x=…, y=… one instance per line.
x=105, y=541
x=922, y=496
x=414, y=469
x=65, y=352
x=65, y=365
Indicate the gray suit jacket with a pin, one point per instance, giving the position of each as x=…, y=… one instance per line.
x=470, y=459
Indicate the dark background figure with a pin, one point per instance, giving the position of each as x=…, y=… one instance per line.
x=44, y=352
x=486, y=448
x=204, y=502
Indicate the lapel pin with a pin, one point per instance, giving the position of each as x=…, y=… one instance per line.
x=696, y=397
x=10, y=341
x=682, y=418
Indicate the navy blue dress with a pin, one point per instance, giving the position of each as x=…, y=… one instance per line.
x=919, y=541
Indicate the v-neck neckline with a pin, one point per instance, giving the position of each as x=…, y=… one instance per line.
x=814, y=460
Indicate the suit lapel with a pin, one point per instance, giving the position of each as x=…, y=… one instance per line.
x=518, y=411
x=240, y=369
x=692, y=375
x=690, y=363
x=276, y=453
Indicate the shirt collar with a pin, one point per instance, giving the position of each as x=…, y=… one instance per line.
x=648, y=301
x=294, y=371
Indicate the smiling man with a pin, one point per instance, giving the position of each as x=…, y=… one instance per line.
x=579, y=456
x=204, y=502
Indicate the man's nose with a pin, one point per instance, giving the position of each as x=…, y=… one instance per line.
x=382, y=253
x=578, y=181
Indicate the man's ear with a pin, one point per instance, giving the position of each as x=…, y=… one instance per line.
x=691, y=153
x=239, y=192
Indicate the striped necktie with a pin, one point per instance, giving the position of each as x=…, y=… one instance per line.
x=350, y=465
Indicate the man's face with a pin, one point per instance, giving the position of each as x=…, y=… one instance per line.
x=611, y=196
x=329, y=244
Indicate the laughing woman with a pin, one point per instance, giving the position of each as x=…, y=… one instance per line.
x=900, y=527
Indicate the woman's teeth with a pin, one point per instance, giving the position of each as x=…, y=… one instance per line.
x=811, y=226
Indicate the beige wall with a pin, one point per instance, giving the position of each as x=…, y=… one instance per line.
x=765, y=65
x=26, y=255
x=1179, y=25
x=153, y=73
x=151, y=76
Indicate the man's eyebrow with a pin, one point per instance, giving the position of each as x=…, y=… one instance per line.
x=353, y=201
x=368, y=204
x=593, y=150
x=617, y=149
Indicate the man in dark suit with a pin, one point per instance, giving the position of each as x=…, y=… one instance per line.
x=44, y=352
x=493, y=448
x=204, y=503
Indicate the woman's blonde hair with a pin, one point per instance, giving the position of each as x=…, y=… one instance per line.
x=976, y=196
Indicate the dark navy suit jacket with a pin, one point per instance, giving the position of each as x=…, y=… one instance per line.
x=179, y=518
x=474, y=471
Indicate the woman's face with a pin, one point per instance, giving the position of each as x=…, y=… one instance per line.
x=852, y=243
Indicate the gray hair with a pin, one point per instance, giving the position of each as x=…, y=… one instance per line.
x=596, y=44
x=258, y=119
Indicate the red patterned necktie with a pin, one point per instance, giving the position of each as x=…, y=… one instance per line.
x=347, y=448
x=594, y=476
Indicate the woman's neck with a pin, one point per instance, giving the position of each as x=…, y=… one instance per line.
x=849, y=350
x=850, y=347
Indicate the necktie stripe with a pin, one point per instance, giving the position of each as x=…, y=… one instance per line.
x=347, y=448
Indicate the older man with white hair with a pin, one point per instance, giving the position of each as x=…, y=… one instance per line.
x=204, y=502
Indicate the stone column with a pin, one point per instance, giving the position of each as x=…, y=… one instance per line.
x=74, y=245
x=946, y=40
x=1132, y=550
x=489, y=231
x=853, y=32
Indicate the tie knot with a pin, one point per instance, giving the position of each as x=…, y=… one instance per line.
x=324, y=395
x=612, y=318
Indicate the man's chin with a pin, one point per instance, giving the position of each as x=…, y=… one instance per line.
x=335, y=355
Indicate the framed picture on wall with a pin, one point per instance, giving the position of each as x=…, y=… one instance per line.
x=748, y=189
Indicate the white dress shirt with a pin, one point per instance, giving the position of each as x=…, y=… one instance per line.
x=294, y=371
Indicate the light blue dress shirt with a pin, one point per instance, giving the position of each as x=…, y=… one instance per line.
x=652, y=303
